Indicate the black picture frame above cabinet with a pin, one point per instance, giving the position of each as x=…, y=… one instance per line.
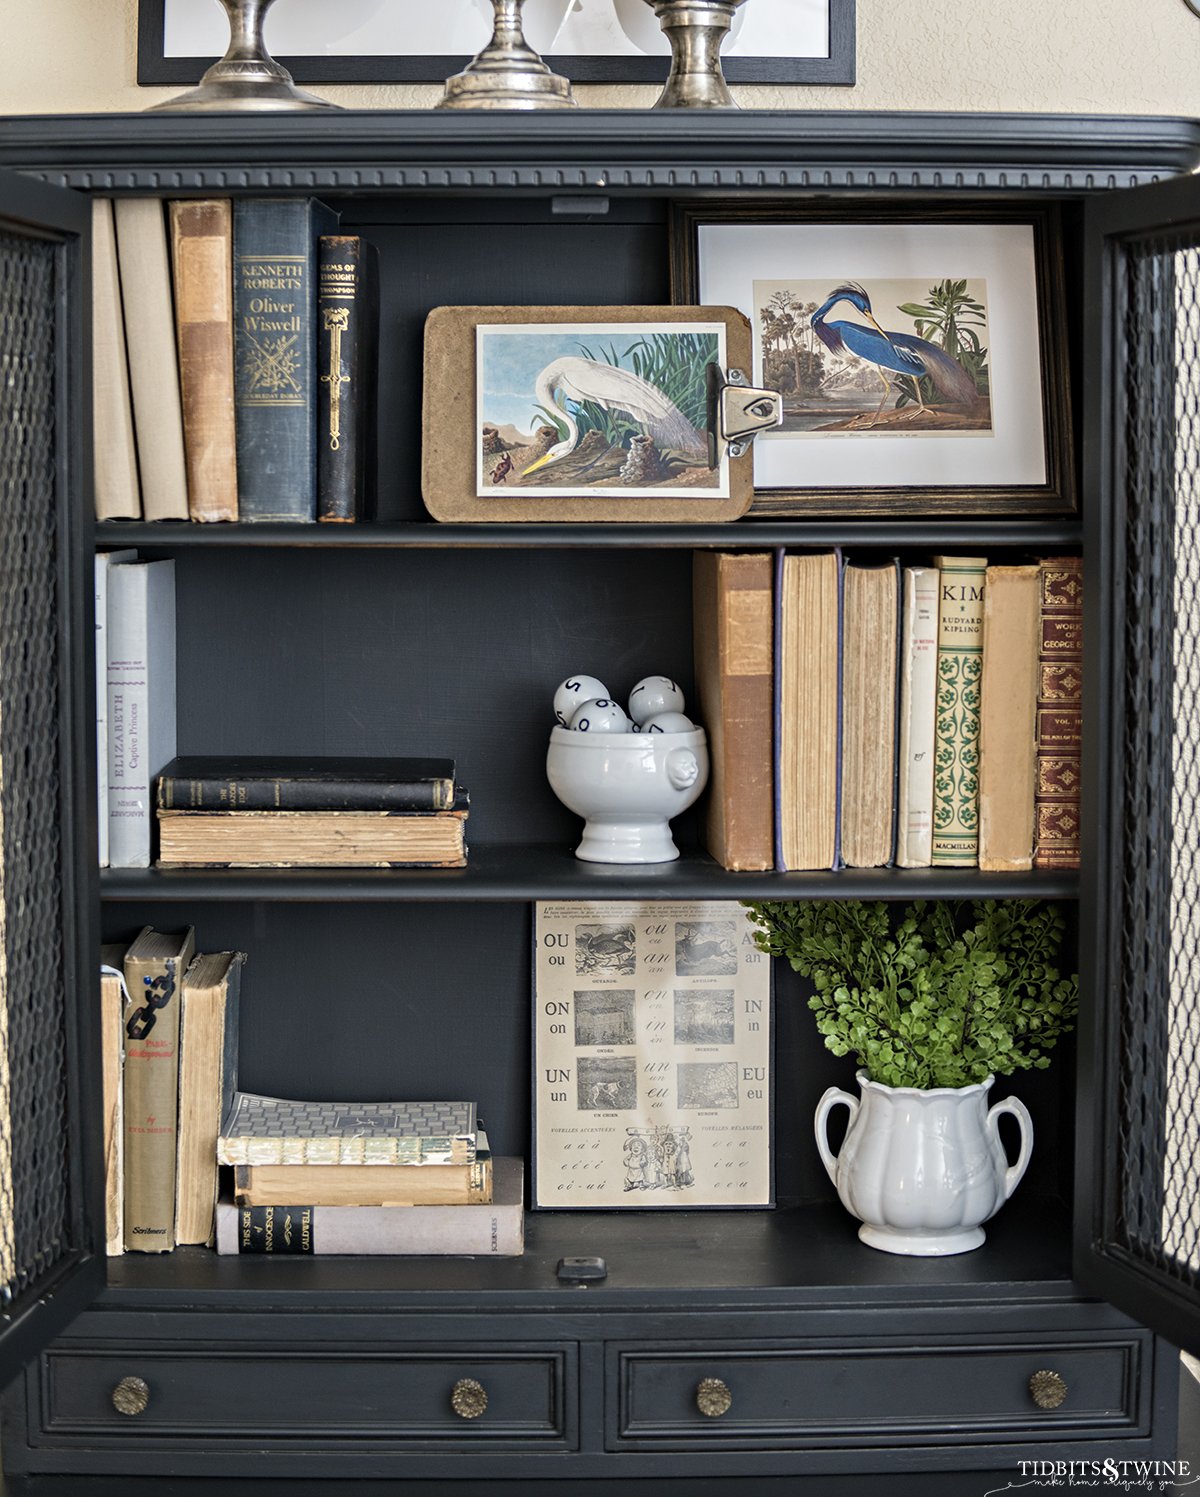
x=980, y=281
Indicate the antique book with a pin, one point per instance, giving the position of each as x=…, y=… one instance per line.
x=1008, y=719
x=368, y=1184
x=202, y=261
x=918, y=695
x=1059, y=713
x=146, y=297
x=154, y=967
x=112, y=1068
x=141, y=701
x=347, y=342
x=284, y=783
x=208, y=1039
x=733, y=632
x=313, y=839
x=871, y=620
x=275, y=1130
x=275, y=349
x=496, y=1230
x=116, y=491
x=956, y=744
x=808, y=639
x=103, y=560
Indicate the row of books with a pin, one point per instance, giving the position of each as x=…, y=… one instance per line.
x=234, y=346
x=191, y=1160
x=866, y=714
x=325, y=812
x=169, y=1024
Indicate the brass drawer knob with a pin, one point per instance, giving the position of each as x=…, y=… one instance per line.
x=469, y=1398
x=713, y=1397
x=131, y=1395
x=1047, y=1389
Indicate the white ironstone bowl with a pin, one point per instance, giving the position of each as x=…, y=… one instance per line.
x=627, y=787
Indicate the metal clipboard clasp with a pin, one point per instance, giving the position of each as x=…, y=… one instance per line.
x=737, y=413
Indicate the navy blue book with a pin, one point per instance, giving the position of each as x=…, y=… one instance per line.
x=348, y=313
x=275, y=245
x=282, y=783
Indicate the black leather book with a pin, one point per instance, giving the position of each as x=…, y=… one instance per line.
x=253, y=783
x=347, y=337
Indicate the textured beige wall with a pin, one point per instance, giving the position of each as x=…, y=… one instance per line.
x=1106, y=56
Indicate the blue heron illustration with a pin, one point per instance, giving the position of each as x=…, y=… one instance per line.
x=894, y=355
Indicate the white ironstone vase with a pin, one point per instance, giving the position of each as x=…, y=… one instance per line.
x=922, y=1170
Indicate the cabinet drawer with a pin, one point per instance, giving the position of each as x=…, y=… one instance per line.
x=527, y=1395
x=867, y=1394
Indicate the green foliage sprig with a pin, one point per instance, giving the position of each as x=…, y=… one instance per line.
x=928, y=1004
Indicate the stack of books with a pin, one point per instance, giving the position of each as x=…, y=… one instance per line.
x=311, y=813
x=234, y=344
x=868, y=714
x=169, y=1025
x=412, y=1178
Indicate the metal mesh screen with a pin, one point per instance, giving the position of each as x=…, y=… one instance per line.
x=34, y=1187
x=1157, y=841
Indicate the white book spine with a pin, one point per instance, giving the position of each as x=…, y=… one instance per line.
x=149, y=309
x=104, y=560
x=141, y=702
x=918, y=701
x=115, y=485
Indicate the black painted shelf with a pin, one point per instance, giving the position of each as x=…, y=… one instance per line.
x=807, y=1254
x=903, y=532
x=519, y=873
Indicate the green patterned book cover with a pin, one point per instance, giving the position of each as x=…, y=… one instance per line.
x=956, y=744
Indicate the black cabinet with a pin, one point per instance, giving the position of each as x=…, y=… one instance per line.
x=820, y=1358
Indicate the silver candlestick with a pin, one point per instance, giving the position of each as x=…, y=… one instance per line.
x=696, y=30
x=508, y=73
x=247, y=77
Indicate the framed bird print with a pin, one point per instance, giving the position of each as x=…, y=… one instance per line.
x=581, y=413
x=920, y=355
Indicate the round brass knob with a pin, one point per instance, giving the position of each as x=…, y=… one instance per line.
x=713, y=1397
x=469, y=1398
x=131, y=1395
x=1047, y=1389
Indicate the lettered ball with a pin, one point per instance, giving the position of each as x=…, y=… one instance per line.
x=601, y=716
x=653, y=695
x=668, y=722
x=572, y=694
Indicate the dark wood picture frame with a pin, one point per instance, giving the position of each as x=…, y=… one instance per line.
x=1055, y=496
x=155, y=68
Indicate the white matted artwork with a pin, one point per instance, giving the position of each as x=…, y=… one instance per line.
x=652, y=1057
x=921, y=363
x=580, y=28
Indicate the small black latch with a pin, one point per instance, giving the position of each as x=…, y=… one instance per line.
x=582, y=1270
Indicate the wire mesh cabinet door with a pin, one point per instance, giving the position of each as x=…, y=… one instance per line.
x=51, y=1191
x=1138, y=1176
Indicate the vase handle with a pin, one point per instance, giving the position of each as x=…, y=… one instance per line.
x=832, y=1098
x=1012, y=1175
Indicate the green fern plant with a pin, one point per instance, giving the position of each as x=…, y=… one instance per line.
x=927, y=1003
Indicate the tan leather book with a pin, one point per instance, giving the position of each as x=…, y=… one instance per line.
x=117, y=494
x=1059, y=714
x=366, y=1184
x=807, y=766
x=870, y=625
x=153, y=364
x=1008, y=719
x=732, y=645
x=154, y=968
x=208, y=1033
x=311, y=839
x=202, y=260
x=112, y=1065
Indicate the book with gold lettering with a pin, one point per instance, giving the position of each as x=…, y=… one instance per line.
x=956, y=740
x=368, y=1184
x=347, y=323
x=1059, y=713
x=1008, y=723
x=275, y=354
